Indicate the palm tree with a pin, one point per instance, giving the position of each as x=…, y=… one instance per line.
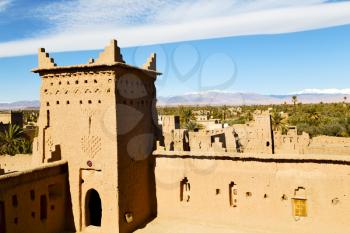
x=279, y=122
x=187, y=115
x=10, y=140
x=192, y=126
x=294, y=99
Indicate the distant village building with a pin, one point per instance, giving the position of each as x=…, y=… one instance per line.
x=10, y=117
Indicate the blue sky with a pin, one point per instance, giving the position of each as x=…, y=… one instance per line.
x=270, y=47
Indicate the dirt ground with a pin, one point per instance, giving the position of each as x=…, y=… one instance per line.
x=185, y=226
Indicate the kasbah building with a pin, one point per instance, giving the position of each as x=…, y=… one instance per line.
x=102, y=163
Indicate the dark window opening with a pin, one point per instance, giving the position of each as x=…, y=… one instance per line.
x=14, y=201
x=185, y=190
x=2, y=218
x=43, y=207
x=233, y=194
x=32, y=195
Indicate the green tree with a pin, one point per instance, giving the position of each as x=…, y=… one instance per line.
x=10, y=140
x=279, y=122
x=186, y=115
x=192, y=126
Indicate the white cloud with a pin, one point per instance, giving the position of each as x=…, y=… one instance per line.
x=345, y=91
x=4, y=4
x=84, y=25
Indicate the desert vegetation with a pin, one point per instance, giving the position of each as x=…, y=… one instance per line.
x=13, y=141
x=331, y=119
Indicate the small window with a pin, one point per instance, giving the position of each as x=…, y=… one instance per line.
x=299, y=207
x=67, y=101
x=14, y=201
x=248, y=194
x=47, y=104
x=43, y=207
x=81, y=102
x=76, y=82
x=59, y=83
x=185, y=190
x=68, y=83
x=217, y=191
x=32, y=195
x=57, y=102
x=90, y=102
x=99, y=101
x=85, y=81
x=95, y=81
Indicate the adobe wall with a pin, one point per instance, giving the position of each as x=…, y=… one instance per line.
x=36, y=200
x=328, y=145
x=18, y=162
x=136, y=127
x=264, y=190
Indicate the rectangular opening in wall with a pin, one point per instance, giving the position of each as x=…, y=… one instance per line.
x=185, y=189
x=32, y=195
x=299, y=207
x=233, y=194
x=43, y=207
x=14, y=201
x=2, y=218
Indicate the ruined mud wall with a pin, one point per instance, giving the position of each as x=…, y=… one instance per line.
x=35, y=200
x=284, y=194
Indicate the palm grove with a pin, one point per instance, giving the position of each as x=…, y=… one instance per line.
x=13, y=140
x=331, y=119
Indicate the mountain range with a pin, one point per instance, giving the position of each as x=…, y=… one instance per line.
x=240, y=98
x=20, y=105
x=217, y=98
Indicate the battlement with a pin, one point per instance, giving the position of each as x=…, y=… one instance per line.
x=108, y=58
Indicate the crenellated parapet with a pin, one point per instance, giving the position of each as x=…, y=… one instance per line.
x=110, y=54
x=151, y=63
x=44, y=60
